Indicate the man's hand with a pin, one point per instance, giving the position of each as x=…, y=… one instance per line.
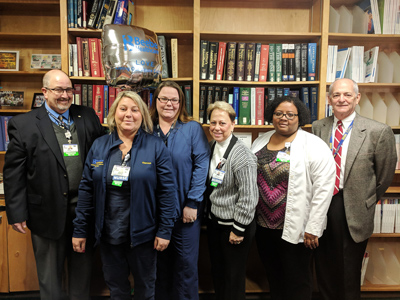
x=79, y=244
x=160, y=244
x=19, y=227
x=189, y=214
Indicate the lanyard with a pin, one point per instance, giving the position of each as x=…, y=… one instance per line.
x=60, y=123
x=227, y=151
x=126, y=158
x=341, y=141
x=166, y=135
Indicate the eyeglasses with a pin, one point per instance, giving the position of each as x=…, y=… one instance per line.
x=60, y=91
x=289, y=116
x=165, y=100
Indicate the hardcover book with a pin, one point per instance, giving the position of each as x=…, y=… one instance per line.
x=271, y=63
x=94, y=58
x=264, y=62
x=257, y=62
x=291, y=63
x=163, y=52
x=121, y=13
x=86, y=57
x=240, y=61
x=188, y=98
x=174, y=57
x=231, y=61
x=297, y=61
x=285, y=62
x=80, y=56
x=314, y=103
x=204, y=59
x=213, y=58
x=312, y=61
x=250, y=59
x=304, y=65
x=278, y=62
x=244, y=106
x=221, y=60
x=260, y=105
x=111, y=12
x=102, y=14
x=202, y=104
x=94, y=13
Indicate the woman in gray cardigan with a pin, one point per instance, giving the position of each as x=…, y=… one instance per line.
x=232, y=194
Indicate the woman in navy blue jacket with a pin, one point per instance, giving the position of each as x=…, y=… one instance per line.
x=128, y=190
x=177, y=277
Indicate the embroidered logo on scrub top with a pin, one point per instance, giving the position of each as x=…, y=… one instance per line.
x=97, y=163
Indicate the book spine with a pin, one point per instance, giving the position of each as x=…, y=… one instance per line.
x=264, y=62
x=70, y=12
x=304, y=55
x=244, y=106
x=94, y=58
x=291, y=66
x=111, y=96
x=257, y=62
x=111, y=12
x=84, y=94
x=225, y=94
x=221, y=60
x=314, y=103
x=131, y=13
x=90, y=95
x=312, y=61
x=71, y=60
x=93, y=14
x=84, y=13
x=102, y=14
x=202, y=104
x=304, y=96
x=297, y=61
x=174, y=57
x=271, y=63
x=253, y=106
x=250, y=58
x=100, y=51
x=231, y=61
x=75, y=59
x=210, y=100
x=188, y=98
x=204, y=59
x=240, y=61
x=85, y=57
x=105, y=103
x=279, y=92
x=120, y=12
x=212, y=64
x=285, y=62
x=236, y=101
x=163, y=51
x=278, y=62
x=260, y=106
x=79, y=49
x=78, y=94
x=79, y=13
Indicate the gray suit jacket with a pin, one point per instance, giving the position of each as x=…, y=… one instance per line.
x=370, y=166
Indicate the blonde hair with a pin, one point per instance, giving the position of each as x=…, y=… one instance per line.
x=147, y=124
x=222, y=105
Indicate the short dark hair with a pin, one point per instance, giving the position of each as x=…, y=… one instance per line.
x=302, y=109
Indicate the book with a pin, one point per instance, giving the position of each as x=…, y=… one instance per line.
x=260, y=105
x=279, y=92
x=102, y=14
x=79, y=13
x=70, y=60
x=86, y=57
x=257, y=62
x=78, y=94
x=163, y=52
x=213, y=59
x=305, y=96
x=312, y=61
x=231, y=61
x=244, y=106
x=131, y=13
x=79, y=55
x=249, y=61
x=84, y=94
x=98, y=101
x=94, y=58
x=94, y=13
x=304, y=62
x=111, y=96
x=209, y=101
x=342, y=61
x=291, y=63
x=174, y=57
x=297, y=62
x=70, y=13
x=188, y=98
x=204, y=58
x=252, y=106
x=240, y=61
x=278, y=62
x=4, y=126
x=111, y=12
x=217, y=93
x=371, y=60
x=264, y=62
x=221, y=60
x=236, y=101
x=271, y=64
x=90, y=95
x=202, y=104
x=105, y=104
x=225, y=94
x=285, y=62
x=75, y=59
x=121, y=12
x=314, y=103
x=85, y=10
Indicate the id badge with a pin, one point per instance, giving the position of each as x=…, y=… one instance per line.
x=70, y=150
x=283, y=156
x=217, y=178
x=120, y=173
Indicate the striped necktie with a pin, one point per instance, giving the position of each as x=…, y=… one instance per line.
x=338, y=157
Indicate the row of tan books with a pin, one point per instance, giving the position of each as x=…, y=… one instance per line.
x=240, y=61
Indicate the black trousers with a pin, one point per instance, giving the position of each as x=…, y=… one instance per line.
x=228, y=262
x=50, y=256
x=338, y=259
x=288, y=266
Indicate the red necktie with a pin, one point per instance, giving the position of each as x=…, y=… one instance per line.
x=338, y=157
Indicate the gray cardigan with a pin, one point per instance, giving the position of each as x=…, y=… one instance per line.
x=233, y=202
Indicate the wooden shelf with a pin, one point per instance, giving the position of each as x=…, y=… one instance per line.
x=393, y=190
x=14, y=111
x=228, y=82
x=260, y=36
x=385, y=235
x=369, y=287
x=356, y=38
x=23, y=73
x=28, y=36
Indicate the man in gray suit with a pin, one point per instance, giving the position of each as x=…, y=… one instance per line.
x=368, y=160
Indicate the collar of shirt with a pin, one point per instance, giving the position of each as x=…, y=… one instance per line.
x=346, y=121
x=56, y=114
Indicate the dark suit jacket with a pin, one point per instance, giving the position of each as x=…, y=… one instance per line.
x=369, y=170
x=35, y=176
